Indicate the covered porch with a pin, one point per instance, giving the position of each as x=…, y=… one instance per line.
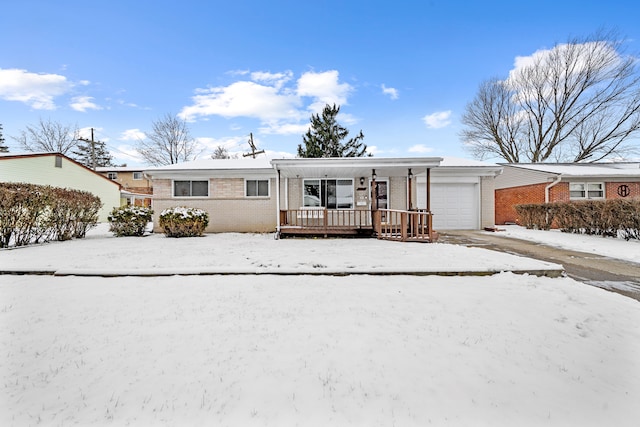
x=354, y=197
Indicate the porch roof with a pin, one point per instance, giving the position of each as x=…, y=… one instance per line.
x=350, y=167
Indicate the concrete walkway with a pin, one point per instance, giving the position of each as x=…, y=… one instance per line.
x=592, y=269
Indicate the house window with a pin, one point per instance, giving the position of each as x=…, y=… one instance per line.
x=58, y=161
x=328, y=193
x=190, y=188
x=586, y=190
x=112, y=175
x=257, y=188
x=137, y=176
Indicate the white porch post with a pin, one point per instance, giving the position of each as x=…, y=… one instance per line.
x=278, y=204
x=428, y=190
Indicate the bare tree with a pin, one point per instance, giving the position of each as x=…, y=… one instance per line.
x=49, y=136
x=169, y=142
x=220, y=152
x=579, y=101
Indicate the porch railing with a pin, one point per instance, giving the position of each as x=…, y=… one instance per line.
x=390, y=224
x=318, y=219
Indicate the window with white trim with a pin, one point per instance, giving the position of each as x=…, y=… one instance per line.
x=586, y=190
x=256, y=188
x=112, y=175
x=190, y=188
x=328, y=193
x=137, y=176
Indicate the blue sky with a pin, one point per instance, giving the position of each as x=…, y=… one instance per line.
x=402, y=71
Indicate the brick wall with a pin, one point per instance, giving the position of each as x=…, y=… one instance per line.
x=611, y=190
x=507, y=198
x=229, y=210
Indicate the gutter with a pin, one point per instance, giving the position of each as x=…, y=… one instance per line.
x=548, y=187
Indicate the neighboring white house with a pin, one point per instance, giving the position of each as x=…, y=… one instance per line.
x=57, y=170
x=256, y=195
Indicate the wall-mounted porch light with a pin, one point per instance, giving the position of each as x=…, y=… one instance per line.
x=410, y=174
x=373, y=174
x=362, y=180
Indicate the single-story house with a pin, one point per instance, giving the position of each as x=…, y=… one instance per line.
x=136, y=188
x=524, y=183
x=330, y=195
x=58, y=170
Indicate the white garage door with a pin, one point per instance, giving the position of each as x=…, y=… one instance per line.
x=454, y=206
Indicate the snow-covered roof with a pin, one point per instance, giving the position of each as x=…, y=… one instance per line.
x=348, y=167
x=103, y=169
x=583, y=169
x=207, y=168
x=461, y=162
x=216, y=164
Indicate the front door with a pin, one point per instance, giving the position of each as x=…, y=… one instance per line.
x=382, y=201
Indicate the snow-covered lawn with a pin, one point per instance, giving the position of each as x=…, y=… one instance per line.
x=307, y=350
x=606, y=246
x=101, y=252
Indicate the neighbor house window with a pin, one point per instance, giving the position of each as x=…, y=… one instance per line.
x=190, y=188
x=257, y=188
x=328, y=193
x=586, y=190
x=137, y=176
x=112, y=175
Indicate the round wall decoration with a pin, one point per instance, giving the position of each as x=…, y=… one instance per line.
x=623, y=190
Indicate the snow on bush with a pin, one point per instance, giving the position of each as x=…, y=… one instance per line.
x=183, y=222
x=129, y=220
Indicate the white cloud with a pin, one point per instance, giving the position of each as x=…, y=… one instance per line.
x=438, y=119
x=85, y=132
x=84, y=103
x=36, y=90
x=281, y=103
x=392, y=92
x=276, y=79
x=241, y=99
x=132, y=135
x=279, y=128
x=420, y=148
x=324, y=88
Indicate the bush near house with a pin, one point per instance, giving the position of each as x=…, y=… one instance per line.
x=183, y=222
x=31, y=213
x=615, y=217
x=129, y=220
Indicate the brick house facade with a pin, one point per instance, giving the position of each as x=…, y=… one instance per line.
x=250, y=195
x=541, y=183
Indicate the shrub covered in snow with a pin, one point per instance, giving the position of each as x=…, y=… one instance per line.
x=31, y=213
x=183, y=222
x=129, y=220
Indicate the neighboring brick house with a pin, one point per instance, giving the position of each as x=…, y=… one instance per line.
x=522, y=183
x=136, y=187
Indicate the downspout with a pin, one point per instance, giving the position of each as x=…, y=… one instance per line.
x=548, y=187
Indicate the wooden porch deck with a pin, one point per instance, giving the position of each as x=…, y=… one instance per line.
x=386, y=224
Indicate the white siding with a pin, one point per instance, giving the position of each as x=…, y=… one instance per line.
x=41, y=170
x=513, y=176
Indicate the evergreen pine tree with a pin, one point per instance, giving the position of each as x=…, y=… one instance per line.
x=82, y=154
x=3, y=147
x=325, y=137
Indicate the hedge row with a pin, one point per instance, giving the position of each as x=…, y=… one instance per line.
x=32, y=213
x=616, y=217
